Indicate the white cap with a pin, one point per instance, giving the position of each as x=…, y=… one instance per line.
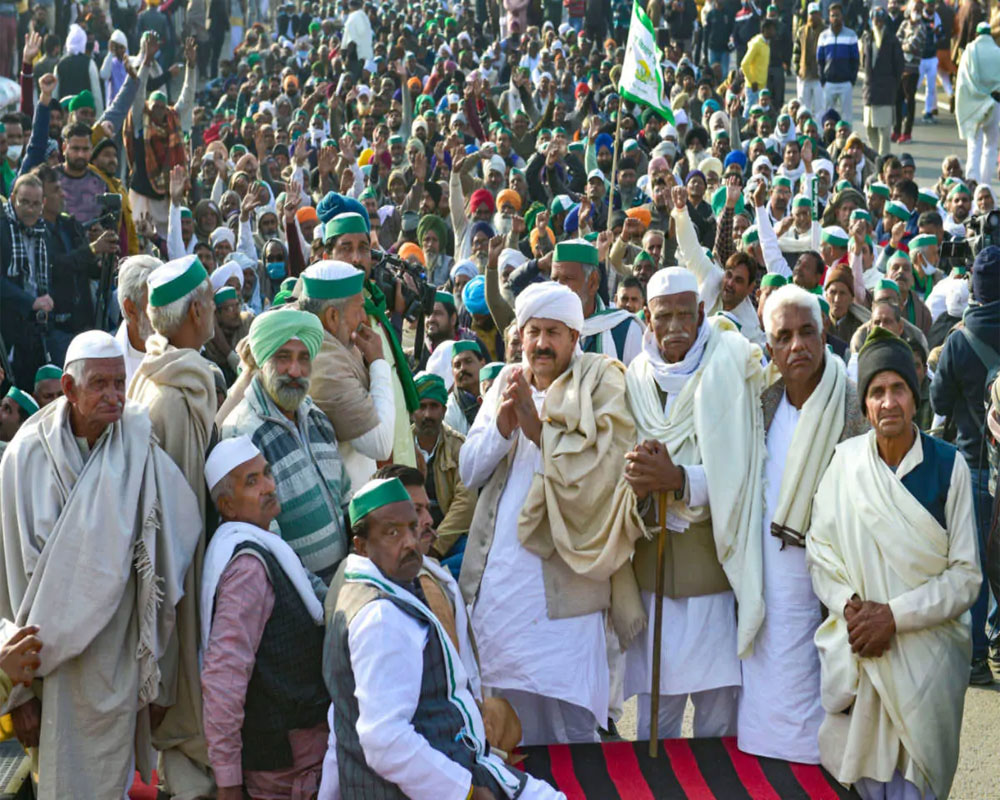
x=671, y=280
x=222, y=233
x=330, y=270
x=812, y=8
x=119, y=38
x=226, y=456
x=221, y=276
x=92, y=344
x=439, y=362
x=596, y=173
x=681, y=117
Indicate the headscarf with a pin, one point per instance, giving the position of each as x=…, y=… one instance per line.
x=433, y=223
x=549, y=300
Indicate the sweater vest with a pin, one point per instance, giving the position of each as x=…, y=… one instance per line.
x=930, y=481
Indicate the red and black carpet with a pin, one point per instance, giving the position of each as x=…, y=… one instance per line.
x=686, y=769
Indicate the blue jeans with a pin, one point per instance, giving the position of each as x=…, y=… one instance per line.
x=982, y=504
x=722, y=58
x=576, y=23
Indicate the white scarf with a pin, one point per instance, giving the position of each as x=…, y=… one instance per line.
x=219, y=553
x=672, y=377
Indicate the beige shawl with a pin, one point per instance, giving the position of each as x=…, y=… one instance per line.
x=715, y=421
x=869, y=536
x=92, y=558
x=340, y=386
x=177, y=388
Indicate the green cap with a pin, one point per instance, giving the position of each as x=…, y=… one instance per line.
x=834, y=235
x=897, y=210
x=773, y=279
x=644, y=256
x=152, y=98
x=348, y=222
x=886, y=283
x=445, y=298
x=23, y=399
x=920, y=241
x=464, y=346
x=288, y=284
x=185, y=212
x=781, y=180
x=881, y=189
x=282, y=297
x=431, y=387
x=578, y=252
x=86, y=100
x=860, y=213
x=224, y=294
x=958, y=188
x=375, y=494
x=801, y=201
x=750, y=235
x=333, y=289
x=48, y=372
x=491, y=370
x=927, y=196
x=174, y=280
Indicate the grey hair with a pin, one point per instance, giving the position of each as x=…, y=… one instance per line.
x=318, y=307
x=132, y=274
x=790, y=296
x=75, y=369
x=221, y=489
x=167, y=320
x=897, y=312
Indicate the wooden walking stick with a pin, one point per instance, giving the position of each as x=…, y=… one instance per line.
x=654, y=695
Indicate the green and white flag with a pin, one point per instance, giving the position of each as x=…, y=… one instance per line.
x=642, y=78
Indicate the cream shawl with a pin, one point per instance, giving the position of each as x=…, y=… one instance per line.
x=715, y=421
x=869, y=536
x=340, y=386
x=816, y=435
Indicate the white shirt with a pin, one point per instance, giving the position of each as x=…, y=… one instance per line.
x=133, y=357
x=780, y=710
x=520, y=648
x=361, y=454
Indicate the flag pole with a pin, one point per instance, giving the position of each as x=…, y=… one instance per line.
x=654, y=693
x=614, y=161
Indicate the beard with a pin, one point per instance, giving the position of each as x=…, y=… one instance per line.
x=287, y=392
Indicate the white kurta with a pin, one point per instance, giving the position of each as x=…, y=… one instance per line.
x=780, y=710
x=133, y=357
x=698, y=646
x=520, y=648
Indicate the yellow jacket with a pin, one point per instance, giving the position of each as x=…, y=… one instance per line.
x=755, y=62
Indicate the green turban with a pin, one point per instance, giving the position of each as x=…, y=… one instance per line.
x=431, y=387
x=270, y=331
x=83, y=100
x=433, y=223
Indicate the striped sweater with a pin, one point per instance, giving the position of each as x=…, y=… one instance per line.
x=837, y=56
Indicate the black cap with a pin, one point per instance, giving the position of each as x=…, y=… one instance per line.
x=883, y=351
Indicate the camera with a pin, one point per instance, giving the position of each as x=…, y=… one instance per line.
x=983, y=230
x=955, y=253
x=109, y=211
x=388, y=270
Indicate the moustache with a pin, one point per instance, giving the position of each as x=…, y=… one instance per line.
x=544, y=353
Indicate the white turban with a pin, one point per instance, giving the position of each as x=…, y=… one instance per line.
x=222, y=234
x=549, y=300
x=119, y=38
x=439, y=362
x=76, y=40
x=221, y=276
x=672, y=280
x=957, y=298
x=823, y=165
x=467, y=268
x=509, y=257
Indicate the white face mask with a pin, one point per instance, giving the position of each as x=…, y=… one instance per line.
x=14, y=151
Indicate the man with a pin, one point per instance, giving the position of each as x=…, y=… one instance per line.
x=398, y=683
x=451, y=503
x=296, y=438
x=174, y=377
x=15, y=408
x=882, y=64
x=976, y=111
x=432, y=238
x=48, y=385
x=358, y=29
x=839, y=293
x=464, y=398
x=231, y=325
x=807, y=85
x=807, y=411
x=101, y=662
x=80, y=185
x=755, y=62
x=265, y=702
x=678, y=390
x=135, y=328
x=349, y=238
x=614, y=332
x=837, y=58
x=900, y=270
x=351, y=380
x=891, y=550
x=442, y=325
x=721, y=289
x=958, y=392
x=630, y=294
x=542, y=648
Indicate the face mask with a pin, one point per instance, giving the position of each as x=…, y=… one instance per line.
x=927, y=268
x=14, y=151
x=276, y=270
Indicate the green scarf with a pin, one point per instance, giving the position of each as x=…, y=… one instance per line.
x=375, y=307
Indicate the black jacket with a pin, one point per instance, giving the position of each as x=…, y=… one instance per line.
x=884, y=71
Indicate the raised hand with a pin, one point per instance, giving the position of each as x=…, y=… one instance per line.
x=679, y=195
x=32, y=47
x=178, y=181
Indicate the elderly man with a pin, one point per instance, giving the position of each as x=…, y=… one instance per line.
x=296, y=438
x=807, y=412
x=173, y=378
x=452, y=504
x=48, y=385
x=721, y=289
x=350, y=241
x=232, y=324
x=265, y=702
x=690, y=376
x=132, y=300
x=351, y=380
x=537, y=577
x=900, y=270
x=405, y=714
x=611, y=331
x=892, y=554
x=432, y=237
x=97, y=557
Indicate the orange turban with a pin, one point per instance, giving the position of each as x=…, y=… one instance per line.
x=509, y=196
x=410, y=249
x=306, y=214
x=642, y=214
x=536, y=233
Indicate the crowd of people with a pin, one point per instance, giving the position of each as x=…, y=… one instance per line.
x=384, y=391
